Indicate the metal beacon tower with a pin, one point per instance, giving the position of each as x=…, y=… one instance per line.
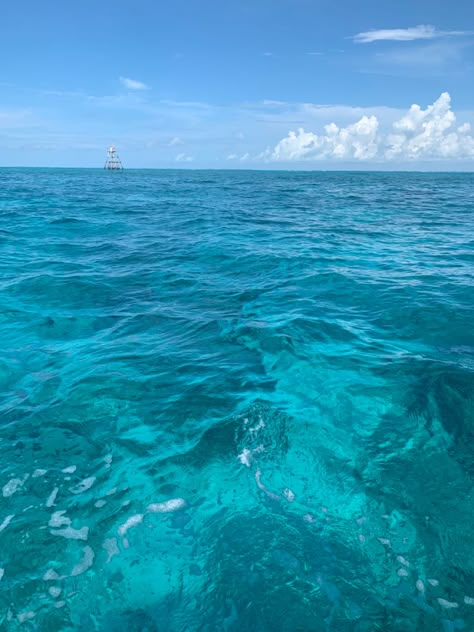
x=112, y=162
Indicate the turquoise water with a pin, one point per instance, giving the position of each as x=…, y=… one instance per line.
x=236, y=401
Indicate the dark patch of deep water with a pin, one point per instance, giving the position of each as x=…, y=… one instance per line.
x=236, y=401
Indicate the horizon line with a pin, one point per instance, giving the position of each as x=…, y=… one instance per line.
x=249, y=169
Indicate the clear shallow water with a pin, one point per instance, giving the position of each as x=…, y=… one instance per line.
x=236, y=401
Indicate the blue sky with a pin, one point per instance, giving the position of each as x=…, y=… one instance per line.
x=245, y=84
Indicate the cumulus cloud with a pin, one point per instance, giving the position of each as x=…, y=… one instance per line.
x=430, y=133
x=133, y=84
x=184, y=158
x=358, y=141
x=420, y=32
x=419, y=134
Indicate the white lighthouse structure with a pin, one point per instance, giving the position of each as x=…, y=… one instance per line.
x=113, y=162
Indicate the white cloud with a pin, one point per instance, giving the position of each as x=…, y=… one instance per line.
x=418, y=135
x=133, y=84
x=429, y=133
x=358, y=141
x=176, y=141
x=420, y=32
x=184, y=158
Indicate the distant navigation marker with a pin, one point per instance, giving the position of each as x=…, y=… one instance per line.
x=113, y=161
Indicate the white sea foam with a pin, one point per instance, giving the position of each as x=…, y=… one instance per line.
x=13, y=486
x=6, y=522
x=289, y=495
x=133, y=521
x=258, y=477
x=111, y=547
x=38, y=473
x=58, y=519
x=54, y=591
x=69, y=470
x=168, y=506
x=85, y=563
x=245, y=457
x=260, y=485
x=83, y=485
x=259, y=426
x=72, y=534
x=52, y=497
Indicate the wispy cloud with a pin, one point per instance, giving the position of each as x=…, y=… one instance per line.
x=198, y=105
x=272, y=102
x=420, y=32
x=133, y=84
x=241, y=158
x=184, y=158
x=174, y=142
x=435, y=57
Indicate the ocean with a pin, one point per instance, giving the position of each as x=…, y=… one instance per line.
x=236, y=401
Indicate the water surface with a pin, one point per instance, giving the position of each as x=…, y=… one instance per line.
x=236, y=401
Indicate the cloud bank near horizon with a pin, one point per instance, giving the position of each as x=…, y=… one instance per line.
x=152, y=132
x=429, y=134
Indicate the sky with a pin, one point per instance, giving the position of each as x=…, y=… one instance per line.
x=238, y=84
